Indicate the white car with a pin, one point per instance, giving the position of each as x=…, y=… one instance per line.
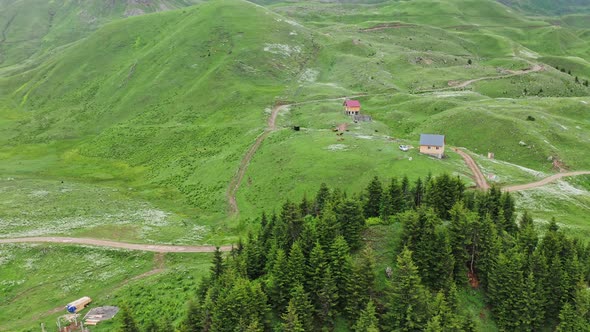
x=404, y=148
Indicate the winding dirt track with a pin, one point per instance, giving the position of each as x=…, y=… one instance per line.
x=114, y=244
x=464, y=84
x=236, y=181
x=543, y=182
x=480, y=179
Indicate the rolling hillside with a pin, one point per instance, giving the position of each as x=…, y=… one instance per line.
x=134, y=128
x=31, y=28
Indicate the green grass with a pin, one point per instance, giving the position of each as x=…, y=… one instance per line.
x=36, y=279
x=146, y=119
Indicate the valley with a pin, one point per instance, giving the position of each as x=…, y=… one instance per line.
x=170, y=126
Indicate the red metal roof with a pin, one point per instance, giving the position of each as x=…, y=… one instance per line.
x=352, y=103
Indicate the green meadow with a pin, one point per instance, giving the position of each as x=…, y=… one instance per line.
x=130, y=127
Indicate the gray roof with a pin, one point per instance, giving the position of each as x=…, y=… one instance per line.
x=432, y=140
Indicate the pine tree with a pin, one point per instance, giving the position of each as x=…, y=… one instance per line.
x=373, y=202
x=321, y=199
x=327, y=300
x=291, y=322
x=408, y=196
x=367, y=321
x=341, y=266
x=303, y=306
x=279, y=285
x=461, y=228
x=192, y=322
x=305, y=207
x=255, y=257
x=409, y=298
x=418, y=192
x=217, y=267
x=296, y=265
x=507, y=291
x=569, y=321
x=327, y=228
x=393, y=200
x=349, y=215
x=315, y=271
x=127, y=322
x=291, y=217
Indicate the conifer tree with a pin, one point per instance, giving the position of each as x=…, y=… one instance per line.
x=408, y=196
x=349, y=215
x=569, y=321
x=418, y=192
x=393, y=200
x=303, y=306
x=255, y=257
x=408, y=309
x=279, y=285
x=296, y=265
x=193, y=319
x=128, y=323
x=321, y=199
x=327, y=228
x=367, y=321
x=291, y=322
x=462, y=236
x=341, y=267
x=373, y=202
x=507, y=291
x=291, y=217
x=217, y=267
x=315, y=271
x=327, y=300
x=305, y=207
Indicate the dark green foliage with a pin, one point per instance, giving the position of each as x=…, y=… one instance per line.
x=419, y=192
x=367, y=321
x=241, y=304
x=327, y=228
x=321, y=198
x=442, y=193
x=296, y=265
x=408, y=304
x=127, y=322
x=341, y=268
x=315, y=277
x=291, y=321
x=349, y=216
x=278, y=282
x=301, y=301
x=374, y=192
x=217, y=267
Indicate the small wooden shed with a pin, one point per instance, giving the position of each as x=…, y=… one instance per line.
x=433, y=145
x=352, y=107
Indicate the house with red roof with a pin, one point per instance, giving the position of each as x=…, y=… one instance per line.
x=352, y=107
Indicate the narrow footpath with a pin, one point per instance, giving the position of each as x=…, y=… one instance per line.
x=113, y=244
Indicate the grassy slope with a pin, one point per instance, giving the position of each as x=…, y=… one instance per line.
x=166, y=108
x=32, y=28
x=39, y=280
x=158, y=118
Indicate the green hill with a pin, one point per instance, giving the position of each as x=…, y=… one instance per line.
x=33, y=28
x=133, y=128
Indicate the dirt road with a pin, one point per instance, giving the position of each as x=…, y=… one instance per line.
x=236, y=181
x=543, y=182
x=114, y=244
x=464, y=84
x=480, y=179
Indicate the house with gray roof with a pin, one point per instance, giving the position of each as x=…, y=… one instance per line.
x=433, y=145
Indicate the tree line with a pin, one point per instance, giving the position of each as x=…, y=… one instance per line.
x=308, y=267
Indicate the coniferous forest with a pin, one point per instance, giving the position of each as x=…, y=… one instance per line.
x=309, y=268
